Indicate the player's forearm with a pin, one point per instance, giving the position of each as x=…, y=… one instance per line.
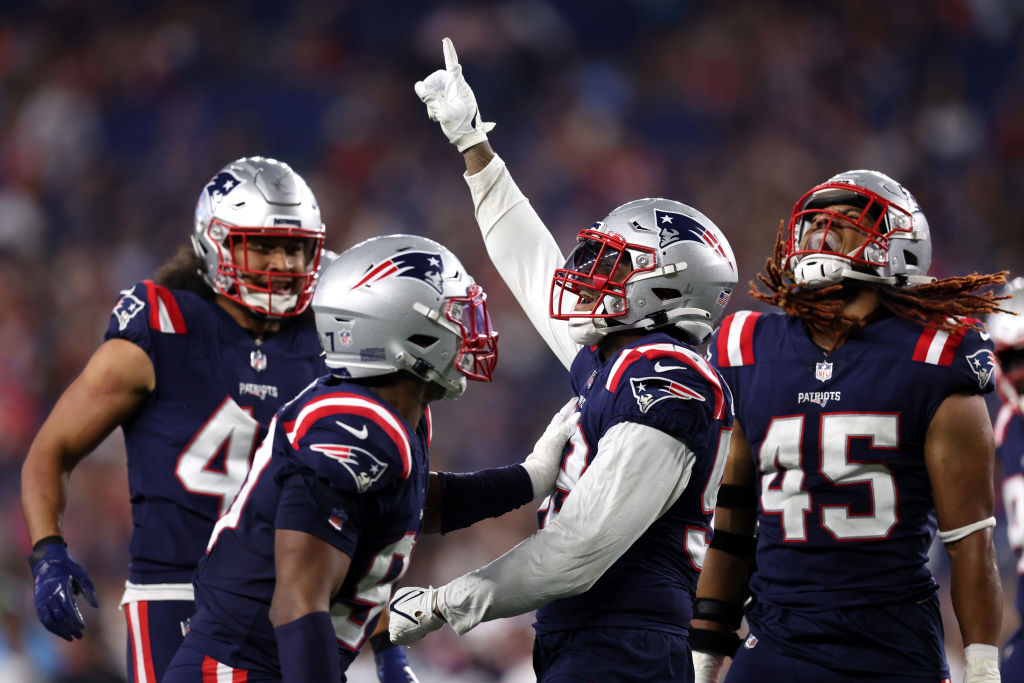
x=975, y=589
x=43, y=494
x=477, y=157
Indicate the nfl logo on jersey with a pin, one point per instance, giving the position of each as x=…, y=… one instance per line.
x=823, y=371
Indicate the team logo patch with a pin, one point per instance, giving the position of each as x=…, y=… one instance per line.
x=650, y=390
x=982, y=365
x=823, y=371
x=222, y=183
x=364, y=467
x=127, y=307
x=418, y=265
x=677, y=227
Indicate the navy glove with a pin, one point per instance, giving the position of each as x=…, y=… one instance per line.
x=392, y=666
x=57, y=579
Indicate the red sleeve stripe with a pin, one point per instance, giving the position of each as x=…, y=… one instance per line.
x=164, y=314
x=736, y=339
x=215, y=672
x=655, y=351
x=352, y=404
x=937, y=347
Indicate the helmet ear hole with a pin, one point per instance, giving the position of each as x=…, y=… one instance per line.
x=910, y=258
x=423, y=341
x=666, y=293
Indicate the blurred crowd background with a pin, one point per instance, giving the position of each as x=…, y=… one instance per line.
x=113, y=115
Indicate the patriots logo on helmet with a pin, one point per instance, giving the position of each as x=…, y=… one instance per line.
x=127, y=307
x=221, y=185
x=364, y=467
x=418, y=265
x=677, y=227
x=650, y=390
x=982, y=365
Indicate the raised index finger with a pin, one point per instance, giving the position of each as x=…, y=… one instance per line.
x=451, y=60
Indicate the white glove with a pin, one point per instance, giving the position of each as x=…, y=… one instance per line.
x=412, y=615
x=707, y=667
x=450, y=102
x=981, y=663
x=544, y=463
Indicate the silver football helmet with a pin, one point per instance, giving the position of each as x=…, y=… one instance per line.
x=253, y=198
x=649, y=264
x=897, y=248
x=403, y=302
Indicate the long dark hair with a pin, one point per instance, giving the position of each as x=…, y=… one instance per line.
x=946, y=304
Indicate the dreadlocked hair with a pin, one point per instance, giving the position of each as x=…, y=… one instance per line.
x=947, y=304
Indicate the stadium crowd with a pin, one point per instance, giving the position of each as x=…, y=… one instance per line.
x=110, y=112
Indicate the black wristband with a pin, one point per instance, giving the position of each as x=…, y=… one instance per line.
x=735, y=544
x=719, y=611
x=715, y=642
x=381, y=642
x=39, y=548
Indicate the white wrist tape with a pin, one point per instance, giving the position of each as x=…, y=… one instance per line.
x=965, y=531
x=981, y=663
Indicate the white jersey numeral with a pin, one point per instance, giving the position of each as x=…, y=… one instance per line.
x=782, y=475
x=230, y=430
x=372, y=592
x=1013, y=499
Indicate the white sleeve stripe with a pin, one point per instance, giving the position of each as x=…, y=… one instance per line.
x=739, y=320
x=936, y=347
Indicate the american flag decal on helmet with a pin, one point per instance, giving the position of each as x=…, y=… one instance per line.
x=423, y=266
x=677, y=227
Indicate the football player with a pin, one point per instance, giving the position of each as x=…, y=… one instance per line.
x=193, y=367
x=861, y=434
x=324, y=525
x=1008, y=335
x=615, y=563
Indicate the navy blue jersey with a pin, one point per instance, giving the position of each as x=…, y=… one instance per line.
x=191, y=444
x=338, y=464
x=661, y=383
x=1009, y=431
x=846, y=512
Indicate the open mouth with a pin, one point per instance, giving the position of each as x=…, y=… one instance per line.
x=823, y=240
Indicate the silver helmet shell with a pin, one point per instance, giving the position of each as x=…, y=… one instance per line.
x=404, y=302
x=1007, y=329
x=651, y=263
x=249, y=198
x=897, y=249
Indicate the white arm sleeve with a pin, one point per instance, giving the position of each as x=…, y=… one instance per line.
x=639, y=474
x=522, y=249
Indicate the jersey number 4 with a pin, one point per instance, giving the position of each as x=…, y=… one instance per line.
x=216, y=461
x=782, y=475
